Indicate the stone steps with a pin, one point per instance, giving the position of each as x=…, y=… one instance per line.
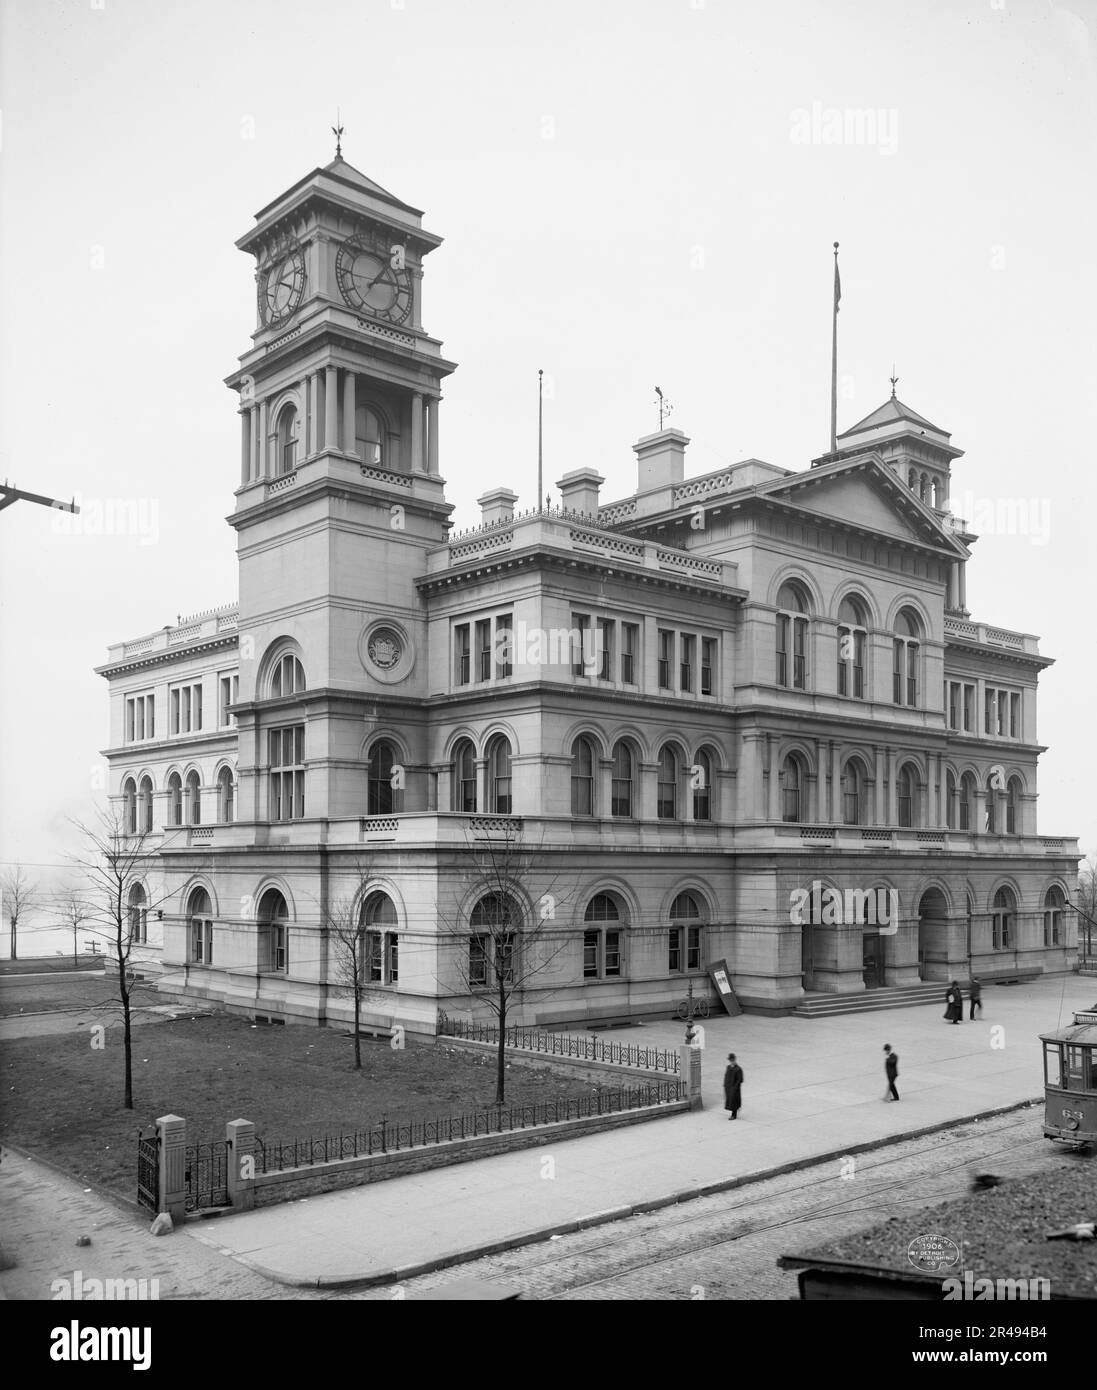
x=871, y=1001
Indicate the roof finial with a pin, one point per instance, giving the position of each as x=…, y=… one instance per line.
x=894, y=380
x=665, y=406
x=337, y=131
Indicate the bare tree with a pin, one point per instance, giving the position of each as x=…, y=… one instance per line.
x=513, y=935
x=114, y=863
x=1087, y=901
x=346, y=930
x=20, y=897
x=76, y=910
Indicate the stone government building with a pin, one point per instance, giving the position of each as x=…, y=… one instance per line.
x=700, y=700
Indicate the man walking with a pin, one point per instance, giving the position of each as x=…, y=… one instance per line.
x=891, y=1071
x=976, y=998
x=733, y=1081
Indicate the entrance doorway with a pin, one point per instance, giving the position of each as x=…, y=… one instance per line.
x=807, y=956
x=933, y=935
x=872, y=960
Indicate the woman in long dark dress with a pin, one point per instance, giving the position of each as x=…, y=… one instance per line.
x=955, y=1001
x=733, y=1081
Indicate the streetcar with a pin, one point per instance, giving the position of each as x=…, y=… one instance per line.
x=1070, y=1080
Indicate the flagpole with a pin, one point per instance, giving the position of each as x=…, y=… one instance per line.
x=540, y=422
x=834, y=360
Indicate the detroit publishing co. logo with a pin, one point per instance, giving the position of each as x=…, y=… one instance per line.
x=385, y=649
x=933, y=1253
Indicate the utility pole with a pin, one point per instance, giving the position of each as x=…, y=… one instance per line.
x=9, y=494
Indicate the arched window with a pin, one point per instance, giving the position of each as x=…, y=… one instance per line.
x=602, y=937
x=967, y=801
x=621, y=798
x=494, y=941
x=386, y=780
x=907, y=644
x=923, y=488
x=499, y=780
x=464, y=776
x=286, y=457
x=288, y=677
x=225, y=795
x=701, y=783
x=912, y=480
x=686, y=946
x=129, y=806
x=1005, y=909
x=906, y=783
x=1054, y=907
x=582, y=777
x=793, y=801
x=668, y=784
x=194, y=799
x=380, y=942
x=852, y=636
x=853, y=793
x=175, y=799
x=138, y=915
x=950, y=799
x=792, y=636
x=369, y=437
x=144, y=806
x=991, y=817
x=1013, y=802
x=273, y=921
x=200, y=918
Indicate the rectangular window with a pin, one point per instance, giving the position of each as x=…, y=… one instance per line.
x=129, y=720
x=630, y=647
x=666, y=658
x=196, y=706
x=287, y=773
x=988, y=711
x=782, y=648
x=590, y=955
x=613, y=953
x=674, y=956
x=462, y=660
x=1003, y=712
x=605, y=649
x=175, y=711
x=580, y=645
x=277, y=946
x=708, y=662
x=953, y=704
x=150, y=716
x=483, y=648
x=185, y=717
x=382, y=958
x=799, y=654
x=1015, y=716
x=478, y=960
x=229, y=693
x=693, y=948
x=969, y=709
x=504, y=646
x=912, y=674
x=201, y=936
x=685, y=664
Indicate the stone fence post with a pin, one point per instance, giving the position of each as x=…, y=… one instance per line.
x=240, y=1168
x=172, y=1131
x=690, y=1072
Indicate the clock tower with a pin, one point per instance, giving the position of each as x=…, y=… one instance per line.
x=340, y=495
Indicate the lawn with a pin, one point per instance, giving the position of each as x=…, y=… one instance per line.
x=49, y=965
x=62, y=1099
x=79, y=992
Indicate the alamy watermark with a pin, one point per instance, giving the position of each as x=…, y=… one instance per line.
x=822, y=905
x=830, y=125
x=110, y=516
x=1001, y=516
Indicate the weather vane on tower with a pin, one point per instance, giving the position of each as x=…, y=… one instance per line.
x=665, y=406
x=894, y=381
x=337, y=131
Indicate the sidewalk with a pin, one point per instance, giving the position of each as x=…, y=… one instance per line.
x=811, y=1089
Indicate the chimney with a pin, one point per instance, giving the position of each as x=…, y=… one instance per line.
x=579, y=490
x=497, y=505
x=661, y=459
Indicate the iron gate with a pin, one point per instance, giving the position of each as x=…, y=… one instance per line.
x=206, y=1176
x=148, y=1172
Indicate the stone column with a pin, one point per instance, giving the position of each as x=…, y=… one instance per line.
x=963, y=585
x=432, y=437
x=939, y=792
x=483, y=802
x=954, y=585
x=893, y=790
x=253, y=442
x=348, y=412
x=240, y=1166
x=836, y=816
x=821, y=803
x=979, y=825
x=172, y=1130
x=417, y=433
x=879, y=798
x=245, y=445
x=264, y=444
x=773, y=809
x=312, y=407
x=331, y=408
x=748, y=782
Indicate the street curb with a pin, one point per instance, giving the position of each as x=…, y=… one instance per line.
x=402, y=1273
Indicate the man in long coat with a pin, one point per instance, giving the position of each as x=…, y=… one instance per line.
x=954, y=1000
x=733, y=1081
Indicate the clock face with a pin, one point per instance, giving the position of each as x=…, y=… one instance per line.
x=373, y=278
x=282, y=285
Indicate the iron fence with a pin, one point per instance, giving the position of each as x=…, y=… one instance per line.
x=387, y=1137
x=567, y=1045
x=148, y=1172
x=206, y=1175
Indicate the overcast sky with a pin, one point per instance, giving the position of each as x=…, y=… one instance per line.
x=632, y=193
